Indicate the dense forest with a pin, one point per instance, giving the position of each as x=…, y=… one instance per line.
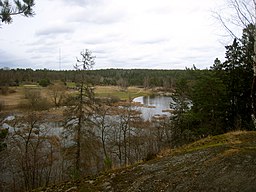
x=221, y=96
x=129, y=77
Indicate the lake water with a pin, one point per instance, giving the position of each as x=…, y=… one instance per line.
x=154, y=105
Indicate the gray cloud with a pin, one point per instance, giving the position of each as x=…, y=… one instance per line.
x=124, y=34
x=152, y=40
x=12, y=61
x=97, y=15
x=81, y=2
x=54, y=30
x=102, y=38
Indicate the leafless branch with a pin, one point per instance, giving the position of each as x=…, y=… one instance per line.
x=248, y=11
x=240, y=13
x=225, y=25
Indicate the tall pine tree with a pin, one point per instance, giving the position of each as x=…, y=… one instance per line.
x=237, y=73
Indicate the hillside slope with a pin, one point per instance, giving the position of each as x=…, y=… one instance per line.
x=221, y=163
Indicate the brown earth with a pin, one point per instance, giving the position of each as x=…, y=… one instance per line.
x=220, y=163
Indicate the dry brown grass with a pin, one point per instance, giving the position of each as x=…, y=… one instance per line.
x=230, y=138
x=12, y=99
x=115, y=91
x=17, y=96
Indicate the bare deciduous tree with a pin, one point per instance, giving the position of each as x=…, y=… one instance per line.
x=123, y=84
x=101, y=121
x=32, y=152
x=34, y=100
x=57, y=93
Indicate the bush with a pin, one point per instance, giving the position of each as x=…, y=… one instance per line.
x=34, y=101
x=150, y=156
x=4, y=90
x=2, y=105
x=107, y=163
x=114, y=99
x=3, y=135
x=44, y=82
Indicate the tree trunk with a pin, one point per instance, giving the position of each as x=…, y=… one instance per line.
x=253, y=90
x=78, y=149
x=253, y=94
x=78, y=136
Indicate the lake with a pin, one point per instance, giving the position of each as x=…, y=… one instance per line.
x=154, y=105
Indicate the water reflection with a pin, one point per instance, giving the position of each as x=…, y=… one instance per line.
x=154, y=105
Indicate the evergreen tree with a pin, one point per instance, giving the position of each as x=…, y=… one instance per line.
x=80, y=109
x=7, y=10
x=233, y=68
x=237, y=74
x=217, y=65
x=207, y=114
x=209, y=105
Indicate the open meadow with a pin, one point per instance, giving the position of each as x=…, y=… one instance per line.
x=115, y=91
x=17, y=95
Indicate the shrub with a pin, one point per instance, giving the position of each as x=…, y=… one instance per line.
x=34, y=101
x=107, y=163
x=44, y=82
x=4, y=90
x=150, y=156
x=2, y=105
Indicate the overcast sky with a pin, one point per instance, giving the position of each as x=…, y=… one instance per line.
x=157, y=34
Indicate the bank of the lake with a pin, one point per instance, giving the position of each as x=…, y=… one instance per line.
x=154, y=105
x=121, y=94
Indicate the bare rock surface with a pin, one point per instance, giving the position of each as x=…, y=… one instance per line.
x=221, y=163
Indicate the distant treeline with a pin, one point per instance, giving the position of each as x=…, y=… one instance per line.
x=128, y=77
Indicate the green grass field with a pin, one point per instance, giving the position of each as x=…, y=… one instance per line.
x=114, y=91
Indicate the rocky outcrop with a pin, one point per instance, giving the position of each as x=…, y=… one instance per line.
x=221, y=163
